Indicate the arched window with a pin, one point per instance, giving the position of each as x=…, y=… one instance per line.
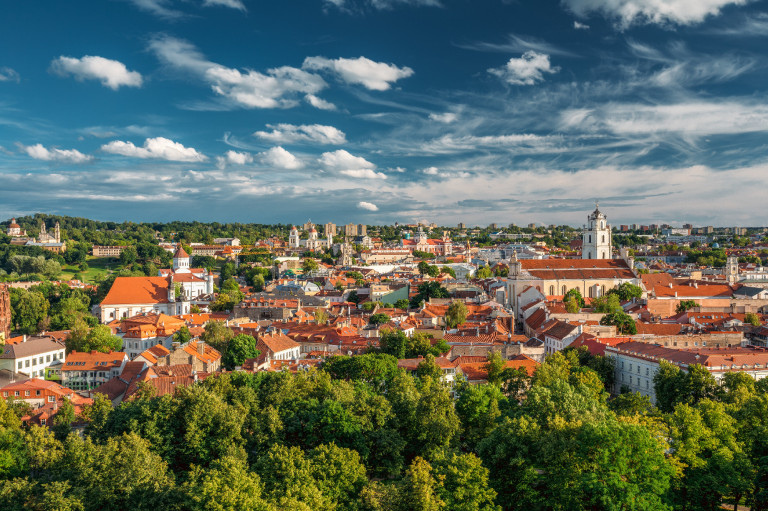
x=551, y=290
x=589, y=255
x=564, y=290
x=591, y=291
x=590, y=239
x=603, y=238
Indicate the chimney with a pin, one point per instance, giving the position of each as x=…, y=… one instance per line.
x=201, y=347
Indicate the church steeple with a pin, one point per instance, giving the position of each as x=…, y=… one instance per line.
x=596, y=240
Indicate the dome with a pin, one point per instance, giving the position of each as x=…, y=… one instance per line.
x=313, y=230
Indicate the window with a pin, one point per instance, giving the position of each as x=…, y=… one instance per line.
x=48, y=358
x=591, y=292
x=603, y=238
x=42, y=422
x=37, y=393
x=16, y=393
x=590, y=239
x=5, y=394
x=630, y=368
x=551, y=290
x=630, y=380
x=20, y=364
x=647, y=371
x=26, y=393
x=34, y=361
x=565, y=290
x=26, y=363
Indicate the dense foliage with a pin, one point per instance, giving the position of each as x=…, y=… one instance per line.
x=360, y=434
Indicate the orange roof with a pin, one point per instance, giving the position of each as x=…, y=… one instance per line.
x=180, y=253
x=209, y=353
x=78, y=361
x=137, y=290
x=155, y=352
x=276, y=342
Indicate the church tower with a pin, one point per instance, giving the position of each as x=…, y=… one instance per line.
x=181, y=260
x=596, y=240
x=732, y=270
x=293, y=239
x=57, y=233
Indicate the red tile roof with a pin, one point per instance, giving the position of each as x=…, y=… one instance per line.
x=138, y=290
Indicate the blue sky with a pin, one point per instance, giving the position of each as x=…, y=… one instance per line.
x=379, y=111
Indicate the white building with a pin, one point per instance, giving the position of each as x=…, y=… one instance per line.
x=596, y=240
x=33, y=356
x=637, y=363
x=313, y=242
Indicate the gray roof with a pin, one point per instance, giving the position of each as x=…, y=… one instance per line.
x=31, y=347
x=749, y=291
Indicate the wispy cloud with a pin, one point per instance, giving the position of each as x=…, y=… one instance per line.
x=305, y=133
x=8, y=75
x=275, y=88
x=628, y=12
x=519, y=44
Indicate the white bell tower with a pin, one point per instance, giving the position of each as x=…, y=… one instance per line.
x=596, y=241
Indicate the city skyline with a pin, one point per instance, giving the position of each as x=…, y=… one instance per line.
x=377, y=111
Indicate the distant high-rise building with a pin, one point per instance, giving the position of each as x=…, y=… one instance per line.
x=532, y=226
x=362, y=230
x=709, y=229
x=350, y=230
x=493, y=226
x=687, y=226
x=330, y=229
x=624, y=228
x=462, y=225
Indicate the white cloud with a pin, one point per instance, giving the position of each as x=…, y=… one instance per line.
x=159, y=147
x=368, y=206
x=319, y=103
x=157, y=7
x=430, y=171
x=527, y=70
x=347, y=164
x=111, y=73
x=694, y=119
x=8, y=75
x=276, y=88
x=446, y=118
x=628, y=12
x=39, y=152
x=363, y=174
x=313, y=133
x=383, y=4
x=580, y=26
x=234, y=4
x=280, y=158
x=233, y=158
x=372, y=75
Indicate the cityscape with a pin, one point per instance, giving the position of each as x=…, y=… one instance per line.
x=383, y=255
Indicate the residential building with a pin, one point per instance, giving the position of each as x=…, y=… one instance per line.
x=636, y=363
x=35, y=356
x=37, y=392
x=329, y=229
x=85, y=371
x=275, y=345
x=200, y=355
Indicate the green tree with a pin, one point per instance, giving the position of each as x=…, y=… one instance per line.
x=379, y=319
x=29, y=309
x=622, y=321
x=217, y=334
x=98, y=338
x=684, y=305
x=574, y=295
x=668, y=384
x=402, y=304
x=308, y=265
x=463, y=483
x=429, y=369
x=456, y=314
x=227, y=485
x=240, y=348
x=182, y=335
x=419, y=488
x=484, y=272
x=627, y=291
x=128, y=256
x=752, y=319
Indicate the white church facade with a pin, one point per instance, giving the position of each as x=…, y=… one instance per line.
x=596, y=239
